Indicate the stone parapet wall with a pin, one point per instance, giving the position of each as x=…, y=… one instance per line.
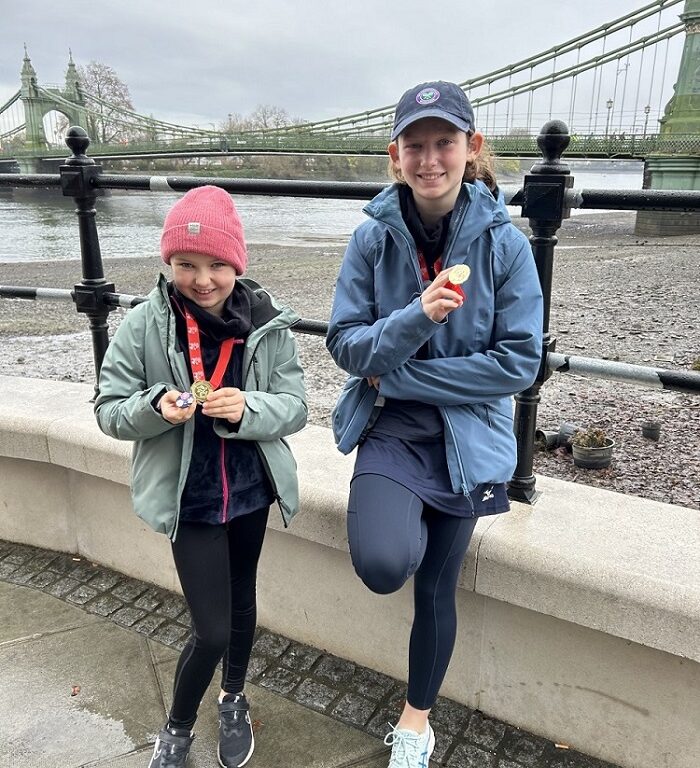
x=579, y=618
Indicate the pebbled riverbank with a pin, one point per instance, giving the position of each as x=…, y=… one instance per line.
x=614, y=296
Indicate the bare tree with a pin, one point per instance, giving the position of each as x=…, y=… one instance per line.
x=107, y=95
x=268, y=116
x=236, y=123
x=264, y=116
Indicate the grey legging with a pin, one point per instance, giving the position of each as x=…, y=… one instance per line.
x=393, y=536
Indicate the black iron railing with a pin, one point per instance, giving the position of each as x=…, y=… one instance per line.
x=546, y=197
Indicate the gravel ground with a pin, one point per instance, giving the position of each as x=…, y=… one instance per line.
x=615, y=297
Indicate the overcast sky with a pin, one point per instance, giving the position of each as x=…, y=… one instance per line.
x=194, y=62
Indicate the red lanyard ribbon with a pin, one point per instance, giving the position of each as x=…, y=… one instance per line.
x=195, y=353
x=437, y=267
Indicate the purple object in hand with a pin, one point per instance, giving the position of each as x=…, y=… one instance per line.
x=184, y=400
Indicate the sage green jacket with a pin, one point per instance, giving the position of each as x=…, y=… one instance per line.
x=142, y=362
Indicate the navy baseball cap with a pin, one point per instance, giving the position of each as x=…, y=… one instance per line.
x=439, y=99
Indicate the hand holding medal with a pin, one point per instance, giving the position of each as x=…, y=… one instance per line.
x=437, y=302
x=456, y=276
x=225, y=403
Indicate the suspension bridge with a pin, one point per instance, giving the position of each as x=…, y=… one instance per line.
x=612, y=85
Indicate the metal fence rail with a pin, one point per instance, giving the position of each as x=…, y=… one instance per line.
x=655, y=378
x=546, y=198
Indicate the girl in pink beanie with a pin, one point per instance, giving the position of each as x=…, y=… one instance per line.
x=205, y=379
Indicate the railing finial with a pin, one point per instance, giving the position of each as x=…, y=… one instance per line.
x=78, y=141
x=553, y=139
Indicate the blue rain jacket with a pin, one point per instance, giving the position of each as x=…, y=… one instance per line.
x=479, y=357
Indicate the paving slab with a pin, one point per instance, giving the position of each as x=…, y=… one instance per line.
x=117, y=708
x=137, y=759
x=23, y=614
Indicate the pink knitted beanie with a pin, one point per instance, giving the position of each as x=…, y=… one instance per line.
x=205, y=221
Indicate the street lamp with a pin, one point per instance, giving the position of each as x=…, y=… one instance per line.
x=609, y=105
x=647, y=110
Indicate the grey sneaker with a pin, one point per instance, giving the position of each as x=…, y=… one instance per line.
x=410, y=749
x=236, y=742
x=171, y=748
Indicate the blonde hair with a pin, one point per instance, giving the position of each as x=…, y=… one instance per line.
x=482, y=167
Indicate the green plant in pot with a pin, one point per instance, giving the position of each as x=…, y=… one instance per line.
x=592, y=448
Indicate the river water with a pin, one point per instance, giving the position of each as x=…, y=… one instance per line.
x=37, y=226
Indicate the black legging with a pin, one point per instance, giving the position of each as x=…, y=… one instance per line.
x=217, y=566
x=392, y=536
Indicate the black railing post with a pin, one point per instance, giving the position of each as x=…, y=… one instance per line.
x=545, y=207
x=77, y=174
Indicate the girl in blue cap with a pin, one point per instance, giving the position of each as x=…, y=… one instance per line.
x=437, y=318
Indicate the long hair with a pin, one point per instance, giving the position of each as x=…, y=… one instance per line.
x=482, y=167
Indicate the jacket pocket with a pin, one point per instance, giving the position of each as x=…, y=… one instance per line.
x=351, y=412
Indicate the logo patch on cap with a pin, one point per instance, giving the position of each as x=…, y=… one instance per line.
x=428, y=96
x=193, y=228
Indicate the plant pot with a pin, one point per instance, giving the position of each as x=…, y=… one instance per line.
x=651, y=430
x=567, y=430
x=546, y=440
x=593, y=458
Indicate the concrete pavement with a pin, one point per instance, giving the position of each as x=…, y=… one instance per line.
x=87, y=658
x=80, y=690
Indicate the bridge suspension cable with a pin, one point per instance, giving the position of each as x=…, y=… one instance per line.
x=378, y=120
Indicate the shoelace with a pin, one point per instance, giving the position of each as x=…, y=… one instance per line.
x=406, y=749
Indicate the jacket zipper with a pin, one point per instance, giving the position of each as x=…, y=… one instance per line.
x=252, y=357
x=268, y=472
x=224, y=481
x=168, y=339
x=460, y=463
x=448, y=252
x=451, y=243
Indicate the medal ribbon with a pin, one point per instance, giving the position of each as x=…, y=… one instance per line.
x=195, y=353
x=437, y=266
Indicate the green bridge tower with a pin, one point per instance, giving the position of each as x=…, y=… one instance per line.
x=681, y=116
x=38, y=101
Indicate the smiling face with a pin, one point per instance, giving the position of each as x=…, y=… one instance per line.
x=431, y=155
x=205, y=280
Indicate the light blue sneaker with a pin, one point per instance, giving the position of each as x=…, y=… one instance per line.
x=408, y=748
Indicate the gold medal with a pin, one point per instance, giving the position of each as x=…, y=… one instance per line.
x=201, y=390
x=459, y=274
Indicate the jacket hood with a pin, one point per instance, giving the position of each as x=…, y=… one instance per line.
x=485, y=210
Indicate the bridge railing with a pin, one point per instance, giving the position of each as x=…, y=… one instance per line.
x=619, y=145
x=546, y=198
